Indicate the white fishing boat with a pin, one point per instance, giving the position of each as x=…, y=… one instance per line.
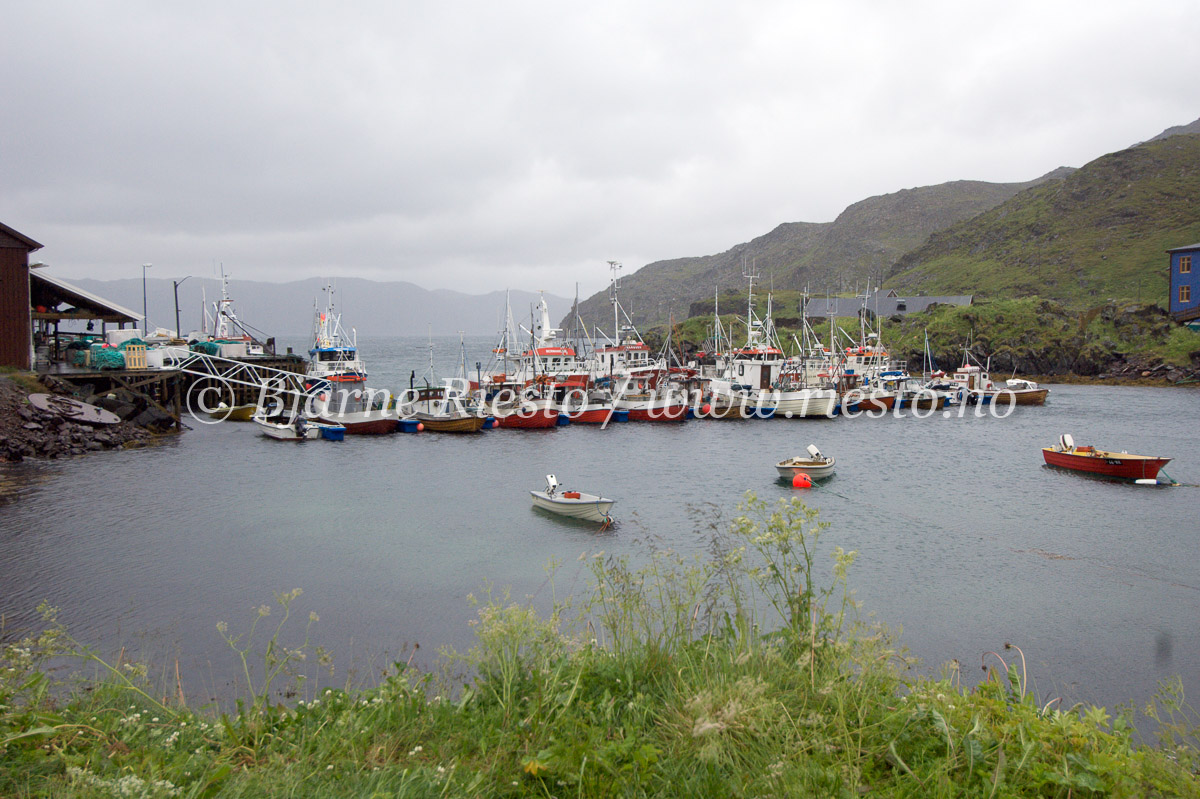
x=816, y=465
x=298, y=428
x=759, y=367
x=333, y=358
x=575, y=504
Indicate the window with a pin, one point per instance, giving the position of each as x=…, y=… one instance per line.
x=1185, y=264
x=1185, y=293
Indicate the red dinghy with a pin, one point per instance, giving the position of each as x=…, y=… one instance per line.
x=1121, y=465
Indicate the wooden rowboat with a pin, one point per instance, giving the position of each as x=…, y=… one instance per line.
x=1066, y=455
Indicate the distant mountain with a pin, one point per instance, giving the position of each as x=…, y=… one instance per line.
x=1099, y=234
x=857, y=247
x=286, y=309
x=1178, y=130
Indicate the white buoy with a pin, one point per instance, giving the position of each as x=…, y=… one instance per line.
x=1146, y=481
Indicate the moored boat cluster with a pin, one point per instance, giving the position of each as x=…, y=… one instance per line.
x=553, y=381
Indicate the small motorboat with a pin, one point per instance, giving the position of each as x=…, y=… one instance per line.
x=1140, y=468
x=298, y=428
x=234, y=413
x=575, y=504
x=816, y=465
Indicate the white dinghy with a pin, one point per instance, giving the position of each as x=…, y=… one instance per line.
x=816, y=465
x=575, y=504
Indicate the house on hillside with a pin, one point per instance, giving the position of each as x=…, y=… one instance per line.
x=1185, y=284
x=881, y=303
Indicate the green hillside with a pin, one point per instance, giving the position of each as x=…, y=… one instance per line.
x=859, y=246
x=1097, y=235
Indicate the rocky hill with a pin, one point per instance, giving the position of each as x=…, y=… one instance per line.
x=1096, y=235
x=1078, y=236
x=857, y=247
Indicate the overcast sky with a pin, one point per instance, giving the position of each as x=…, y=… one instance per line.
x=483, y=145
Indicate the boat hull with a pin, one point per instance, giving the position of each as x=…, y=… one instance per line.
x=363, y=423
x=804, y=402
x=877, y=402
x=817, y=470
x=238, y=413
x=1120, y=465
x=737, y=411
x=587, y=507
x=597, y=415
x=925, y=402
x=537, y=420
x=1029, y=396
x=287, y=432
x=459, y=424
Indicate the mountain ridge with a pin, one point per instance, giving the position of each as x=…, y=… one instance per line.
x=374, y=307
x=885, y=237
x=858, y=246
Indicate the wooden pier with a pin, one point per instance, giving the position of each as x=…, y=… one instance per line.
x=235, y=381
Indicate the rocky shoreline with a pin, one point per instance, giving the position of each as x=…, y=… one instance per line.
x=26, y=432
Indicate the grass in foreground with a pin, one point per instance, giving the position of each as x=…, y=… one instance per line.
x=743, y=674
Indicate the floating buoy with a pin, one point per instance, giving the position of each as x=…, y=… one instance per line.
x=706, y=408
x=801, y=480
x=420, y=426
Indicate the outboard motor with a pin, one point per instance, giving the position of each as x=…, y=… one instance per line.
x=815, y=453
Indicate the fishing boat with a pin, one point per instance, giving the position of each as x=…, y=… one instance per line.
x=816, y=465
x=741, y=404
x=575, y=504
x=235, y=413
x=590, y=406
x=525, y=413
x=643, y=403
x=298, y=428
x=442, y=411
x=760, y=369
x=980, y=389
x=230, y=337
x=1066, y=455
x=333, y=357
x=361, y=411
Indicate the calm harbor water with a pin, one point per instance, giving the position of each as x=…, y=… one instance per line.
x=966, y=540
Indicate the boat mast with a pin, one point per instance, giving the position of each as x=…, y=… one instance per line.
x=614, y=266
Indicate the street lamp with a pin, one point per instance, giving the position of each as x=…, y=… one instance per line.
x=145, y=315
x=178, y=330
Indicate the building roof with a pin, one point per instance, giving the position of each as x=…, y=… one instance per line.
x=51, y=292
x=1185, y=249
x=10, y=238
x=881, y=304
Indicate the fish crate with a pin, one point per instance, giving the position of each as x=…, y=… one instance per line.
x=135, y=356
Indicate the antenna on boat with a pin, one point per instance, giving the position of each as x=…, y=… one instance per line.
x=615, y=267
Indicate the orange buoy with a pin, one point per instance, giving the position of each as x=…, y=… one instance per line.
x=420, y=426
x=801, y=480
x=706, y=408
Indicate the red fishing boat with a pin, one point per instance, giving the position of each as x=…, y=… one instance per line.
x=1065, y=454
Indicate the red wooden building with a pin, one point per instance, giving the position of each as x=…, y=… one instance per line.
x=16, y=332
